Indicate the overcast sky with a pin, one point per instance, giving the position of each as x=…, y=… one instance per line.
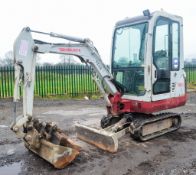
x=94, y=19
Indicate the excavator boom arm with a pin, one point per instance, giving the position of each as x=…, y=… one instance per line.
x=25, y=50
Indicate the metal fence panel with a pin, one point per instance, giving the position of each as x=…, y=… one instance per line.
x=6, y=81
x=190, y=74
x=68, y=80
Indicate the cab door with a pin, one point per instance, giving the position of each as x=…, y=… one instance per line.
x=164, y=60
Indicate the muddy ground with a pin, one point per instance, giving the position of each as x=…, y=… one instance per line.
x=174, y=153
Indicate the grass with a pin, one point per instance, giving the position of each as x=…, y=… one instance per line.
x=61, y=84
x=191, y=86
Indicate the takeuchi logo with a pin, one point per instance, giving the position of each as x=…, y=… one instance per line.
x=64, y=49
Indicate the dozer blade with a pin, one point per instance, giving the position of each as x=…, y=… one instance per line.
x=104, y=139
x=50, y=143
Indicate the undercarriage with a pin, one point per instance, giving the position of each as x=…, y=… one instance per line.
x=141, y=127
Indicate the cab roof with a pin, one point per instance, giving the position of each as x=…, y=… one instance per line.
x=137, y=19
x=143, y=18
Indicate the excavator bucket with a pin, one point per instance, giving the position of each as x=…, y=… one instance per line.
x=50, y=143
x=59, y=156
x=104, y=139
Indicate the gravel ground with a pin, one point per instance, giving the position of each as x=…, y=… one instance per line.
x=173, y=153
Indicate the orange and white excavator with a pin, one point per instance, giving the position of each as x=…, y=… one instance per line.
x=147, y=76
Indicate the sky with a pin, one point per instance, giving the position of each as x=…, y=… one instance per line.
x=92, y=19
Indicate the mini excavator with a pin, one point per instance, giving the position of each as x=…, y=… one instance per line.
x=147, y=76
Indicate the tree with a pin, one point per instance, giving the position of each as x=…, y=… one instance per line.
x=1, y=62
x=38, y=58
x=47, y=64
x=8, y=60
x=65, y=59
x=68, y=59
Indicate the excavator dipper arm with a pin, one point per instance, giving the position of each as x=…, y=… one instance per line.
x=44, y=138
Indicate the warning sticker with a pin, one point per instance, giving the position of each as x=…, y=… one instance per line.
x=23, y=48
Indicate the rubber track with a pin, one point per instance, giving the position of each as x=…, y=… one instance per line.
x=144, y=119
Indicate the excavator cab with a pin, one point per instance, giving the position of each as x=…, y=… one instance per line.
x=148, y=71
x=147, y=59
